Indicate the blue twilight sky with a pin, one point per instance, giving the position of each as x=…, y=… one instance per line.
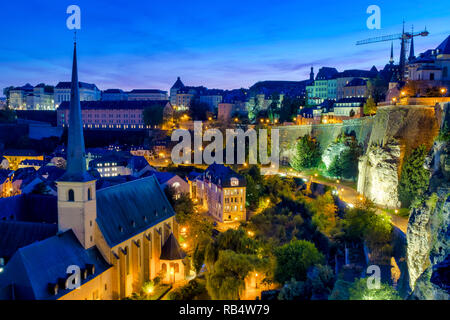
x=219, y=44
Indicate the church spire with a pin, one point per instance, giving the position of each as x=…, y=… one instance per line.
x=411, y=49
x=391, y=60
x=76, y=162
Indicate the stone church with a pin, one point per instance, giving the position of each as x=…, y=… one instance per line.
x=117, y=238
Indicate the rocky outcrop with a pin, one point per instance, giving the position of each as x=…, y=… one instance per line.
x=378, y=174
x=332, y=151
x=428, y=234
x=396, y=131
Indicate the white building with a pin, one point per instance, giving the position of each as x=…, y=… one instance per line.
x=88, y=92
x=147, y=95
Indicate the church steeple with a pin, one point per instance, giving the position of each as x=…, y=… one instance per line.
x=391, y=60
x=76, y=157
x=411, y=49
x=77, y=206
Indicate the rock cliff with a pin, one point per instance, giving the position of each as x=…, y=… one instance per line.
x=428, y=227
x=396, y=131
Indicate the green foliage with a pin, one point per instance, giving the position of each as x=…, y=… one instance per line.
x=375, y=229
x=377, y=88
x=289, y=108
x=370, y=107
x=7, y=115
x=198, y=258
x=414, y=177
x=41, y=188
x=199, y=110
x=294, y=259
x=307, y=153
x=325, y=213
x=226, y=281
x=190, y=291
x=345, y=165
x=360, y=291
x=153, y=116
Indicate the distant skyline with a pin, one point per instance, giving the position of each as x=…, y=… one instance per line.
x=225, y=45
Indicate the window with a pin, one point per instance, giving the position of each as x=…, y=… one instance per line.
x=71, y=195
x=89, y=194
x=127, y=259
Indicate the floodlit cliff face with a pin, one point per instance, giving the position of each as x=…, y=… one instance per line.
x=396, y=130
x=428, y=235
x=378, y=177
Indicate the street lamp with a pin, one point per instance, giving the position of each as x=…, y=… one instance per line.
x=443, y=91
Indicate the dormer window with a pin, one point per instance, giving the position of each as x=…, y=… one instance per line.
x=234, y=182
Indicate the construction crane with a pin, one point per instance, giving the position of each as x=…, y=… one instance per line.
x=404, y=38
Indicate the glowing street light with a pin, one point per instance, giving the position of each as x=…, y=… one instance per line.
x=443, y=90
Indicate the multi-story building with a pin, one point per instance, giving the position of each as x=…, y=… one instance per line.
x=18, y=96
x=147, y=95
x=349, y=108
x=432, y=65
x=212, y=101
x=356, y=88
x=113, y=114
x=183, y=99
x=88, y=92
x=114, y=95
x=344, y=78
x=222, y=192
x=174, y=90
x=324, y=87
x=42, y=98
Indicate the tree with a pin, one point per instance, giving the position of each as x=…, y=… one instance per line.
x=226, y=281
x=370, y=107
x=289, y=108
x=360, y=291
x=294, y=259
x=199, y=110
x=7, y=115
x=307, y=153
x=41, y=188
x=153, y=116
x=325, y=210
x=377, y=88
x=345, y=165
x=414, y=177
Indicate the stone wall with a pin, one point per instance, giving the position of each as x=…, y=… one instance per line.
x=396, y=131
x=324, y=133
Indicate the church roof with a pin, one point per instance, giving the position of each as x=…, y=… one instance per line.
x=18, y=234
x=33, y=268
x=130, y=208
x=444, y=47
x=171, y=250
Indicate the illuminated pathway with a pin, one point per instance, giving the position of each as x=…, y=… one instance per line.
x=348, y=195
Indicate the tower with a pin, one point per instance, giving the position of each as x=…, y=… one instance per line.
x=311, y=75
x=391, y=60
x=77, y=208
x=411, y=49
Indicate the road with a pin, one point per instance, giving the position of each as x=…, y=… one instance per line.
x=350, y=196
